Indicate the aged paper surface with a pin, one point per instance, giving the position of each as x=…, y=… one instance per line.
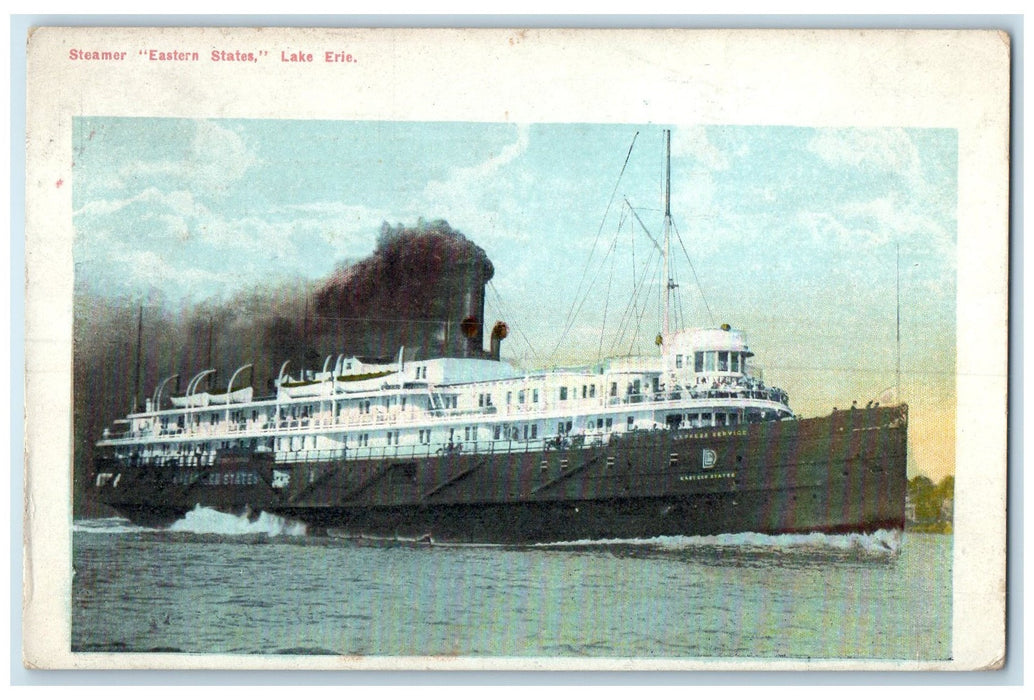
x=953, y=83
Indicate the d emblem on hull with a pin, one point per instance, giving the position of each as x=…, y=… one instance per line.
x=709, y=458
x=281, y=479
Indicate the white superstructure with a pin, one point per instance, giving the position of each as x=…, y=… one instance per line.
x=360, y=408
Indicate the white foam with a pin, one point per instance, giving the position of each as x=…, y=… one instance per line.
x=207, y=521
x=107, y=526
x=881, y=541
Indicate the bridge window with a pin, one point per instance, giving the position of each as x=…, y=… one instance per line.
x=735, y=362
x=709, y=360
x=520, y=396
x=592, y=391
x=723, y=361
x=678, y=362
x=534, y=395
x=563, y=393
x=609, y=424
x=698, y=362
x=613, y=388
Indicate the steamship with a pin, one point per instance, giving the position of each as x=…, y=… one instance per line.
x=467, y=448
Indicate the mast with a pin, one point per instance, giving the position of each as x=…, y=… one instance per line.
x=897, y=330
x=667, y=230
x=208, y=362
x=136, y=368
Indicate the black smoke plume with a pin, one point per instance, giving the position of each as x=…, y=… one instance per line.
x=415, y=290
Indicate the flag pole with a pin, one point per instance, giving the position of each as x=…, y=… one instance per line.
x=897, y=333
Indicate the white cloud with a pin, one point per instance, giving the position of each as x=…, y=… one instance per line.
x=462, y=181
x=879, y=221
x=221, y=149
x=884, y=150
x=217, y=157
x=693, y=142
x=105, y=207
x=477, y=198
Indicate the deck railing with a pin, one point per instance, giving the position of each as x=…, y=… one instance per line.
x=266, y=426
x=381, y=452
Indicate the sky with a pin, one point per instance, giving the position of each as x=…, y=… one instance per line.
x=800, y=237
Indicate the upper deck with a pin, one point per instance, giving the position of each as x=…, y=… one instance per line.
x=359, y=396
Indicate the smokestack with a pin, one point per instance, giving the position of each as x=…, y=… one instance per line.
x=423, y=287
x=472, y=331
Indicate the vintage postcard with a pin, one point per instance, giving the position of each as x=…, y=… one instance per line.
x=516, y=349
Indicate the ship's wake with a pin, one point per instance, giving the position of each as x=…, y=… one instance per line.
x=203, y=521
x=108, y=526
x=207, y=521
x=879, y=544
x=882, y=544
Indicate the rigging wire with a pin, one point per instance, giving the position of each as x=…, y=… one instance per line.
x=645, y=229
x=610, y=281
x=507, y=314
x=695, y=275
x=572, y=313
x=367, y=319
x=632, y=308
x=640, y=315
x=680, y=315
x=660, y=297
x=631, y=300
x=672, y=269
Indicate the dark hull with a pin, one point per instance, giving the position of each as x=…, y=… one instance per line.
x=840, y=473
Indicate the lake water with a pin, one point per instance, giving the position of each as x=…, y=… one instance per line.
x=214, y=583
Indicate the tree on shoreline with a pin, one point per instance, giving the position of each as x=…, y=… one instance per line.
x=930, y=505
